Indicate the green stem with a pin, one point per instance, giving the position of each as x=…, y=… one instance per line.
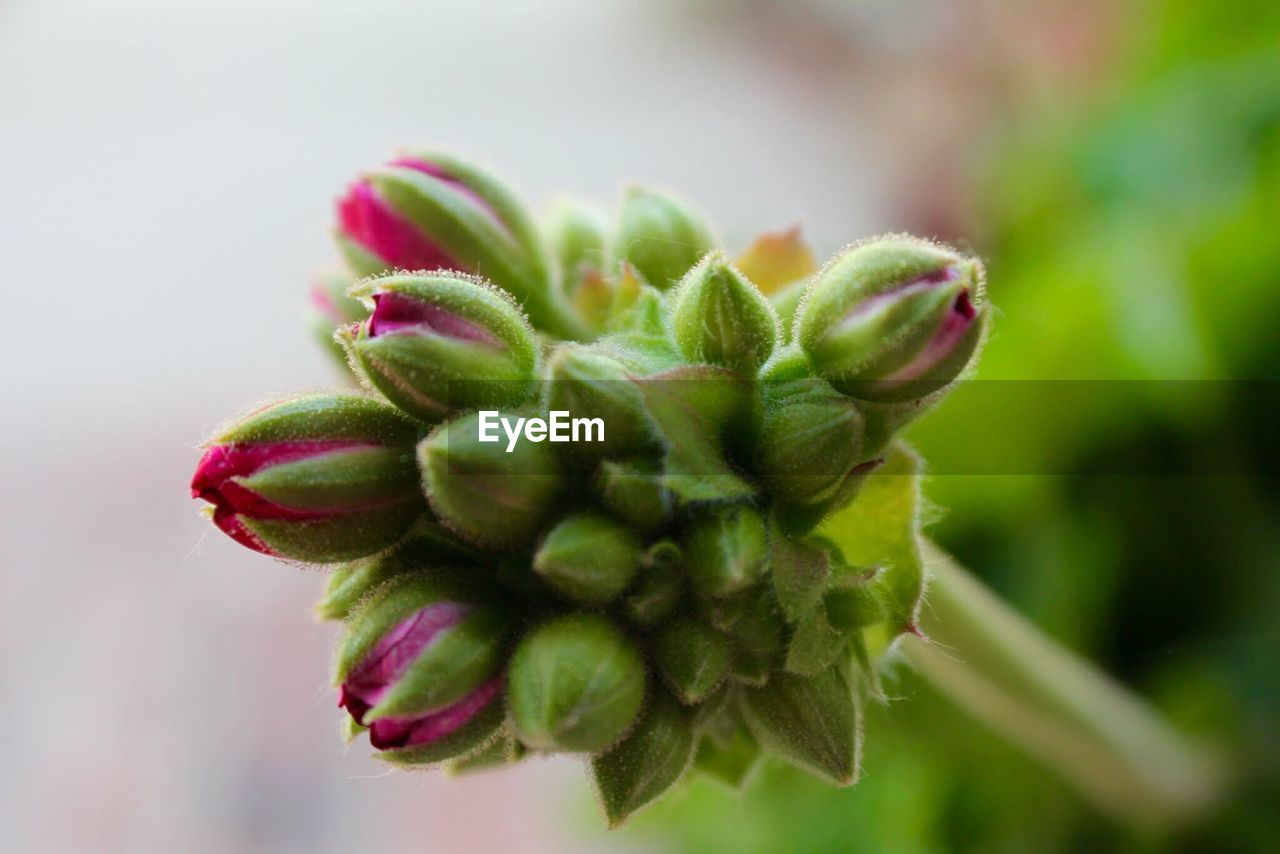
x=1103, y=740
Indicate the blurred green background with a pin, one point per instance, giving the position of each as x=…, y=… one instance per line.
x=1131, y=232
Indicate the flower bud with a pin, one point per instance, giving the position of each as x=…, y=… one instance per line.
x=576, y=683
x=320, y=478
x=633, y=491
x=577, y=232
x=810, y=721
x=591, y=383
x=589, y=558
x=439, y=343
x=652, y=759
x=810, y=437
x=692, y=658
x=431, y=212
x=659, y=588
x=719, y=317
x=777, y=259
x=727, y=551
x=427, y=545
x=660, y=236
x=332, y=309
x=894, y=319
x=419, y=666
x=489, y=496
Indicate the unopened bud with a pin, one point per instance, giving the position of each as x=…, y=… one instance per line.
x=634, y=492
x=438, y=343
x=432, y=212
x=589, y=558
x=319, y=478
x=692, y=658
x=810, y=438
x=660, y=587
x=576, y=683
x=488, y=495
x=593, y=384
x=727, y=551
x=894, y=319
x=420, y=665
x=660, y=236
x=720, y=318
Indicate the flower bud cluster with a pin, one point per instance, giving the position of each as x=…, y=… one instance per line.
x=657, y=601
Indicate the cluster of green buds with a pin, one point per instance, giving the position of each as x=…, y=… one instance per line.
x=655, y=595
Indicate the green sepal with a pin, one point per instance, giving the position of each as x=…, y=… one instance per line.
x=720, y=318
x=486, y=496
x=761, y=629
x=815, y=644
x=589, y=558
x=503, y=749
x=810, y=437
x=652, y=759
x=633, y=490
x=349, y=730
x=660, y=235
x=694, y=408
x=800, y=571
x=750, y=668
x=339, y=480
x=659, y=588
x=810, y=721
x=337, y=538
x=329, y=417
x=473, y=738
x=575, y=683
x=728, y=752
x=727, y=551
x=692, y=658
x=426, y=545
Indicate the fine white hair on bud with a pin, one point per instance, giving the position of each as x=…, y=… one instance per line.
x=579, y=506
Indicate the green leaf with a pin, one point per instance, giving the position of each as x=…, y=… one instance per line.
x=646, y=764
x=882, y=528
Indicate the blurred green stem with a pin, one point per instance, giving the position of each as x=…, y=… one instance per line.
x=1103, y=740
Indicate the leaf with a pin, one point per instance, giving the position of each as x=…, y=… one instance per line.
x=650, y=761
x=881, y=527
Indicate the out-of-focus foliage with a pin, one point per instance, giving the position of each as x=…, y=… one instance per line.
x=1132, y=237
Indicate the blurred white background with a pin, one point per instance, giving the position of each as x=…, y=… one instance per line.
x=167, y=171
